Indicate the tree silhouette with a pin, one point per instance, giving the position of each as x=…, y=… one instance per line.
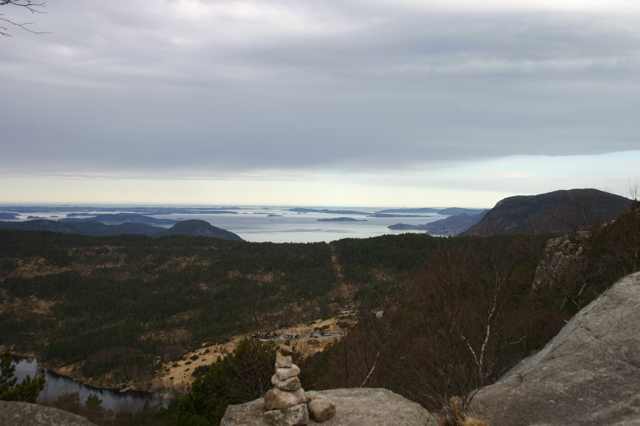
x=30, y=5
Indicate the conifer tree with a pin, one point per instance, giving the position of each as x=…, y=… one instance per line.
x=27, y=391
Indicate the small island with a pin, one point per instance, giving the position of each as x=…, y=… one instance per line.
x=8, y=216
x=394, y=215
x=342, y=219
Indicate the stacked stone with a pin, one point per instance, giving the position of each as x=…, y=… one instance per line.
x=287, y=402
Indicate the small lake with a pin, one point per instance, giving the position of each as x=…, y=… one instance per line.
x=57, y=385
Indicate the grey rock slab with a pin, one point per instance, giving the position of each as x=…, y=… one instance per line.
x=291, y=384
x=285, y=373
x=249, y=413
x=23, y=414
x=588, y=375
x=298, y=415
x=354, y=407
x=276, y=399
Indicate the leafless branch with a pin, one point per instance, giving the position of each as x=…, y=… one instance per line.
x=30, y=5
x=372, y=368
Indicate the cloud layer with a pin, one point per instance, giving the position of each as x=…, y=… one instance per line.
x=219, y=89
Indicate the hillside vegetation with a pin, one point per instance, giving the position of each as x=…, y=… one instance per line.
x=117, y=306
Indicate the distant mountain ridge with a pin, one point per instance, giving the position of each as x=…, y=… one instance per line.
x=557, y=212
x=450, y=226
x=120, y=218
x=97, y=229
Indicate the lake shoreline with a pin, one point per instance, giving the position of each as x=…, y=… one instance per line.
x=114, y=392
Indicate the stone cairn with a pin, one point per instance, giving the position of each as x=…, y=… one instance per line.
x=287, y=403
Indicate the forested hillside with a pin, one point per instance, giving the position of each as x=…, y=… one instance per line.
x=118, y=304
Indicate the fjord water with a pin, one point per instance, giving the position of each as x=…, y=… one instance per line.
x=269, y=223
x=281, y=225
x=57, y=385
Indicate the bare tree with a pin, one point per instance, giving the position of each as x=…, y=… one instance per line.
x=29, y=5
x=469, y=319
x=364, y=351
x=456, y=325
x=622, y=244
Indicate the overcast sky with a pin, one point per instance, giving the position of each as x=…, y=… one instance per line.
x=318, y=102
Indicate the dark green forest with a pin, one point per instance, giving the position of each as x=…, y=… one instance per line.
x=122, y=301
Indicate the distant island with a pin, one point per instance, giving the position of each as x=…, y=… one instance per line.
x=394, y=215
x=120, y=218
x=342, y=219
x=305, y=210
x=94, y=228
x=411, y=210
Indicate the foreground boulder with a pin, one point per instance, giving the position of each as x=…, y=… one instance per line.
x=321, y=408
x=353, y=407
x=588, y=375
x=23, y=414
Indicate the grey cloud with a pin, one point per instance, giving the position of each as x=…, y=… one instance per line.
x=117, y=87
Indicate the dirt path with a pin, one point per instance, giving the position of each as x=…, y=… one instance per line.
x=178, y=376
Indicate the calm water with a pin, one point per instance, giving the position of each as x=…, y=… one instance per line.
x=281, y=225
x=255, y=224
x=111, y=400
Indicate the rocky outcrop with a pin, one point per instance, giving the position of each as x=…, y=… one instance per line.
x=23, y=414
x=587, y=375
x=353, y=407
x=563, y=260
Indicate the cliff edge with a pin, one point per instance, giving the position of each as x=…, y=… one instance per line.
x=588, y=375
